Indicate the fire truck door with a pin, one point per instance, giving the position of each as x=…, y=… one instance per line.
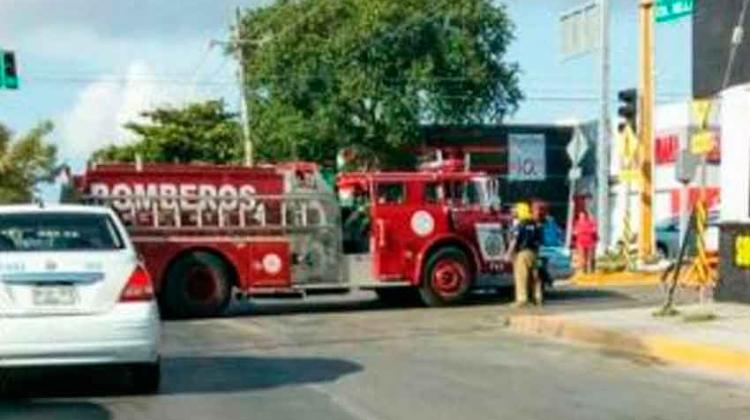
x=467, y=210
x=390, y=231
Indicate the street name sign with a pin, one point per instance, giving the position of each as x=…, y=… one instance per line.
x=579, y=30
x=671, y=10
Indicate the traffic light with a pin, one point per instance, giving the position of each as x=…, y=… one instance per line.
x=628, y=109
x=9, y=74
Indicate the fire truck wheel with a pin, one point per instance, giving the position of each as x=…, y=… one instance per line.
x=447, y=278
x=198, y=285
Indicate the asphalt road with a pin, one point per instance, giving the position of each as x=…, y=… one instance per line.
x=351, y=358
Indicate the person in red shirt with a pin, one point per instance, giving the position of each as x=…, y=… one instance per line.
x=585, y=237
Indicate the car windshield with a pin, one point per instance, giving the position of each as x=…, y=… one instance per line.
x=35, y=232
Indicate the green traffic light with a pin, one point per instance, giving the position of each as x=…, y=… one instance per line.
x=9, y=73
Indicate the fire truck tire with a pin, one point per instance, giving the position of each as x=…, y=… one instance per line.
x=447, y=278
x=197, y=286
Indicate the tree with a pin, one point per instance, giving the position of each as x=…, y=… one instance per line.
x=24, y=162
x=198, y=132
x=327, y=74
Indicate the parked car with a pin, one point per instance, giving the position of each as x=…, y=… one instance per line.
x=72, y=292
x=558, y=261
x=668, y=235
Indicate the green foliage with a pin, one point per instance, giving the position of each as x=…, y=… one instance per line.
x=24, y=162
x=198, y=132
x=327, y=74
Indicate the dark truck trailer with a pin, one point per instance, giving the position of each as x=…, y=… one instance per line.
x=488, y=148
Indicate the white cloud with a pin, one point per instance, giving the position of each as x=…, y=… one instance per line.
x=101, y=108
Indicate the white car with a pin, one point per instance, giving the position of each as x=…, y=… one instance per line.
x=72, y=292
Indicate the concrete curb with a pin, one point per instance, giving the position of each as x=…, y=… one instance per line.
x=617, y=279
x=718, y=359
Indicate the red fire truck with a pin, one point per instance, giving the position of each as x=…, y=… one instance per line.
x=208, y=233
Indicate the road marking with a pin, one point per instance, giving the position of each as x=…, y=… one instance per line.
x=349, y=406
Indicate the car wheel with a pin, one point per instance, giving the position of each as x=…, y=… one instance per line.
x=447, y=278
x=662, y=251
x=198, y=285
x=546, y=279
x=146, y=377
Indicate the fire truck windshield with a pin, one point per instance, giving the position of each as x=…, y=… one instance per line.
x=487, y=191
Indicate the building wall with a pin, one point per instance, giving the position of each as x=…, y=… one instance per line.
x=734, y=271
x=713, y=24
x=735, y=123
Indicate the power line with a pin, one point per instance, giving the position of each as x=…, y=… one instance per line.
x=580, y=94
x=201, y=62
x=123, y=80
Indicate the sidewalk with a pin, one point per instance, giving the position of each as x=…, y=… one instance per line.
x=721, y=346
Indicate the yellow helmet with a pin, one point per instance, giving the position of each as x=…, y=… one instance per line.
x=523, y=212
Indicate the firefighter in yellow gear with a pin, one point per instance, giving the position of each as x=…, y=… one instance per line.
x=524, y=250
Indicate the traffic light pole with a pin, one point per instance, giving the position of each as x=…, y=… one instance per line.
x=646, y=128
x=604, y=146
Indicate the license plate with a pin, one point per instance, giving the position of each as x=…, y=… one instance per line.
x=54, y=296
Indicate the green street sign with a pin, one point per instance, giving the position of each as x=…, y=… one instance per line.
x=671, y=10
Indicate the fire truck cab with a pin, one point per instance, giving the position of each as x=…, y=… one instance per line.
x=437, y=232
x=207, y=233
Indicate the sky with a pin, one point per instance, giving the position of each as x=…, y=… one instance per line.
x=92, y=65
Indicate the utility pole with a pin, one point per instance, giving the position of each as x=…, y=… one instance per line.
x=646, y=127
x=604, y=147
x=238, y=45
